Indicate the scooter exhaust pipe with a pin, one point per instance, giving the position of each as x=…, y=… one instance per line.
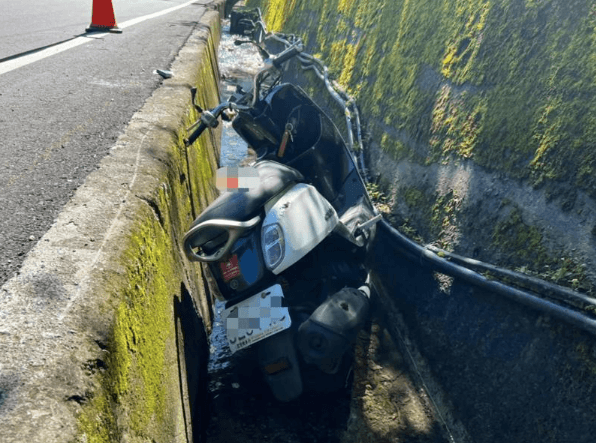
x=332, y=328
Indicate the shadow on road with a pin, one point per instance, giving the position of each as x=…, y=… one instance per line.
x=41, y=48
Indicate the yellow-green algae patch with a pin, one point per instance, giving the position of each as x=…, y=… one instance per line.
x=137, y=391
x=512, y=233
x=138, y=376
x=143, y=326
x=277, y=13
x=520, y=75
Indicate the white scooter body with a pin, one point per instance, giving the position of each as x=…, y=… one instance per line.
x=294, y=224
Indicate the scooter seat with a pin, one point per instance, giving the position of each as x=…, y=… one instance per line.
x=243, y=206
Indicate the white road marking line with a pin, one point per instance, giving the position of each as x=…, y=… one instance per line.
x=134, y=21
x=16, y=63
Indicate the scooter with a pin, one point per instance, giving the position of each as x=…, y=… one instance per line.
x=287, y=250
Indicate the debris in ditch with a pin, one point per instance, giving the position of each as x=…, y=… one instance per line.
x=164, y=73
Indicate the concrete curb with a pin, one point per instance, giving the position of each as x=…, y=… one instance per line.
x=87, y=328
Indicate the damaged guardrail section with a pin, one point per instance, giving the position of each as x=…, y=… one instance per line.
x=91, y=343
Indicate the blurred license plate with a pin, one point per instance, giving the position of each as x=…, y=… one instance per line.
x=256, y=318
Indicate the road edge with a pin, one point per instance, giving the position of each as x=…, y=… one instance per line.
x=88, y=326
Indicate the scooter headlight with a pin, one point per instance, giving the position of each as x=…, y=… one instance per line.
x=273, y=245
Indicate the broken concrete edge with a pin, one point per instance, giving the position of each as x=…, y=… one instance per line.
x=88, y=333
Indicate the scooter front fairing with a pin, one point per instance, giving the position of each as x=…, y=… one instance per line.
x=311, y=144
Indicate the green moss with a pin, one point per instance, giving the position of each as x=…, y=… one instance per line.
x=513, y=234
x=444, y=208
x=138, y=373
x=444, y=220
x=507, y=84
x=418, y=225
x=138, y=376
x=137, y=383
x=143, y=326
x=414, y=197
x=467, y=34
x=397, y=149
x=376, y=193
x=97, y=422
x=457, y=122
x=277, y=12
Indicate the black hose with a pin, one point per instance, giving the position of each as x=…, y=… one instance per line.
x=415, y=252
x=286, y=55
x=550, y=290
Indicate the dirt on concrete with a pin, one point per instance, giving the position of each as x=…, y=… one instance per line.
x=388, y=402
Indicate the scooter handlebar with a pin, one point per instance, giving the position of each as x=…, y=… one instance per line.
x=284, y=56
x=196, y=134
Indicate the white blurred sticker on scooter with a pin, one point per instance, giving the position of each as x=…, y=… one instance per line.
x=256, y=318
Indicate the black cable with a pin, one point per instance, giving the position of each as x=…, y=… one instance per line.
x=427, y=258
x=550, y=290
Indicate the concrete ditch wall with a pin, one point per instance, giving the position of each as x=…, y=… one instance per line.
x=91, y=342
x=479, y=133
x=478, y=115
x=504, y=372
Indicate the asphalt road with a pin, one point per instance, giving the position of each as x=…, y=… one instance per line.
x=59, y=116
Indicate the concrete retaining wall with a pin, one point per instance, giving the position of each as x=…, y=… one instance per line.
x=468, y=107
x=92, y=347
x=478, y=119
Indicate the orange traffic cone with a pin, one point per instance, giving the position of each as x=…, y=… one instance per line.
x=103, y=18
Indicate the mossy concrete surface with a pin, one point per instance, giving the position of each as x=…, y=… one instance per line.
x=89, y=349
x=491, y=99
x=479, y=122
x=505, y=82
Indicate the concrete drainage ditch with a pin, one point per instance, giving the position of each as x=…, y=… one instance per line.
x=386, y=403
